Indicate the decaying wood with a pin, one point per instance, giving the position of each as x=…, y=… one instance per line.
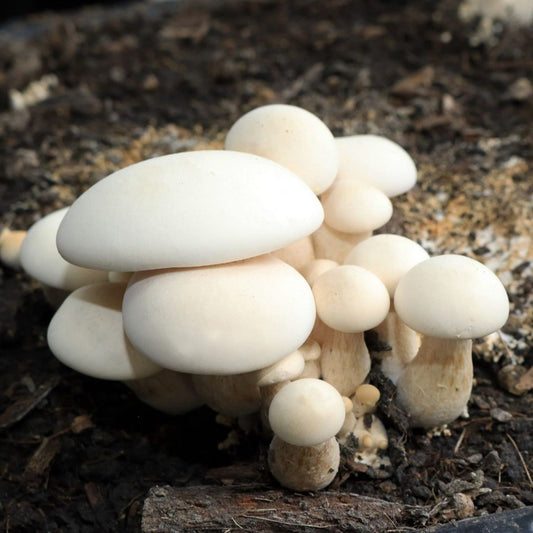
x=252, y=508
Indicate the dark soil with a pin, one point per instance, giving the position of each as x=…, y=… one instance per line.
x=77, y=454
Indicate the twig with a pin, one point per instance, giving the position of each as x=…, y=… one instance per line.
x=528, y=474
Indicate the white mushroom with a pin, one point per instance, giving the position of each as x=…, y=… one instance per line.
x=390, y=257
x=305, y=416
x=311, y=352
x=365, y=399
x=188, y=209
x=10, y=244
x=272, y=379
x=298, y=253
x=167, y=391
x=291, y=136
x=224, y=319
x=40, y=258
x=376, y=161
x=86, y=334
x=349, y=300
x=449, y=299
x=315, y=268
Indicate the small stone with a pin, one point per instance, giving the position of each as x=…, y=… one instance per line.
x=509, y=377
x=150, y=83
x=475, y=458
x=500, y=415
x=463, y=505
x=519, y=91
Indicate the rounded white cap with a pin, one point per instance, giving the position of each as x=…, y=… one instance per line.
x=350, y=299
x=388, y=256
x=452, y=296
x=290, y=367
x=355, y=207
x=86, y=334
x=224, y=319
x=291, y=136
x=376, y=161
x=41, y=260
x=188, y=209
x=315, y=268
x=306, y=412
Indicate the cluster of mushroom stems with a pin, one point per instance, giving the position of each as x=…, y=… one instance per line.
x=244, y=279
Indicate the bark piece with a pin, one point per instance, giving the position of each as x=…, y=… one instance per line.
x=254, y=508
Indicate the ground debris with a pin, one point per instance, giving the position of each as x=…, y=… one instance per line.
x=256, y=508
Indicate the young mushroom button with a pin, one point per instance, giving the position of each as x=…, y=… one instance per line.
x=449, y=299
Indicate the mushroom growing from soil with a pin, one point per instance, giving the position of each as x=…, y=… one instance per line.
x=86, y=334
x=10, y=245
x=305, y=416
x=449, y=299
x=40, y=259
x=352, y=211
x=349, y=301
x=291, y=136
x=376, y=161
x=390, y=257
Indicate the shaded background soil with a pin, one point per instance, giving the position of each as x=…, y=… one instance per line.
x=134, y=81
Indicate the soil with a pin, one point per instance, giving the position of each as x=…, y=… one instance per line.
x=134, y=81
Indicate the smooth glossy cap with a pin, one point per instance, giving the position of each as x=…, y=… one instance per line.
x=452, y=297
x=291, y=136
x=86, y=334
x=376, y=161
x=350, y=299
x=355, y=207
x=224, y=319
x=188, y=209
x=306, y=412
x=388, y=256
x=41, y=260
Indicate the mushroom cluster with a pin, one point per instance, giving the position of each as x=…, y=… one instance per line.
x=244, y=279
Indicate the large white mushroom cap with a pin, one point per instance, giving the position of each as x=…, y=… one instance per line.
x=452, y=296
x=291, y=136
x=86, y=334
x=224, y=319
x=377, y=161
x=188, y=209
x=388, y=256
x=307, y=412
x=41, y=260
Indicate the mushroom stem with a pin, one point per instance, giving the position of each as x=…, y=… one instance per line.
x=10, y=244
x=335, y=245
x=404, y=343
x=435, y=386
x=345, y=360
x=304, y=467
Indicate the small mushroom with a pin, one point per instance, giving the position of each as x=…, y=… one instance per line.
x=305, y=416
x=272, y=379
x=449, y=299
x=376, y=161
x=40, y=259
x=315, y=268
x=86, y=334
x=291, y=136
x=10, y=245
x=365, y=399
x=311, y=352
x=349, y=300
x=390, y=257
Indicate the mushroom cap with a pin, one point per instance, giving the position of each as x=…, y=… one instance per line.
x=388, y=256
x=367, y=395
x=377, y=161
x=315, y=268
x=290, y=367
x=167, y=391
x=86, y=334
x=452, y=297
x=291, y=136
x=41, y=260
x=350, y=299
x=188, y=209
x=224, y=319
x=355, y=207
x=306, y=412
